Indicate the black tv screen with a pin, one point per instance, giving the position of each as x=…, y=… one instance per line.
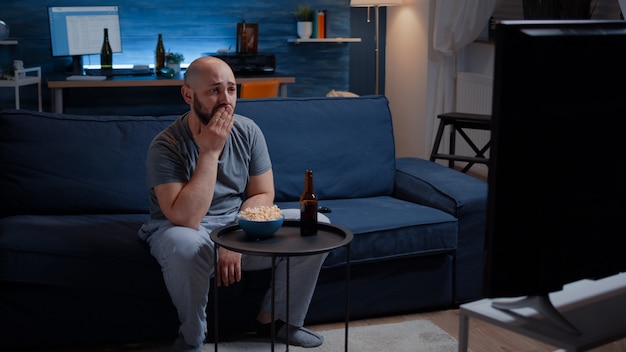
x=557, y=168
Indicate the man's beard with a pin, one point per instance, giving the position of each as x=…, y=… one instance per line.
x=203, y=114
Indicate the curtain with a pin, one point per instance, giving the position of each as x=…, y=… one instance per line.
x=456, y=24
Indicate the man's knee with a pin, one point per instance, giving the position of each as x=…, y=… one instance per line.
x=189, y=247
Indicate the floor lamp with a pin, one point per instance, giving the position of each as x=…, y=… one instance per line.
x=376, y=4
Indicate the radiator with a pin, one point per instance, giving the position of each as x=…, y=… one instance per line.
x=474, y=95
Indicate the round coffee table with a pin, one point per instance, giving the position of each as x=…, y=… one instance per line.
x=287, y=242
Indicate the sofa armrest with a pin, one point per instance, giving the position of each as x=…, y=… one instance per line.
x=463, y=196
x=428, y=183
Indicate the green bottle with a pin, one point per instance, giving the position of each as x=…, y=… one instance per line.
x=106, y=54
x=159, y=62
x=308, y=207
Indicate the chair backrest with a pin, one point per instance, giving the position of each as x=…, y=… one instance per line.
x=259, y=89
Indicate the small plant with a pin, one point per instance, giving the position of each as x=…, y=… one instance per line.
x=174, y=58
x=7, y=73
x=304, y=13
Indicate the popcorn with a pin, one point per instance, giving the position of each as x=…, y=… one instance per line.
x=262, y=213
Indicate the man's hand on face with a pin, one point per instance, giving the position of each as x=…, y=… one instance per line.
x=212, y=136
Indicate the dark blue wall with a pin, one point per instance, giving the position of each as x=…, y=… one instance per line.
x=197, y=27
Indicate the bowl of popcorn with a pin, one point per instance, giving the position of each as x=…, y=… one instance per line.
x=260, y=222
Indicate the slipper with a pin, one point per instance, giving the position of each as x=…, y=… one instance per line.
x=299, y=336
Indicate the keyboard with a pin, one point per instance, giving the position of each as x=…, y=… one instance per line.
x=85, y=78
x=118, y=72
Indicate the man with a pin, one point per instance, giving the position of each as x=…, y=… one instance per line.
x=201, y=170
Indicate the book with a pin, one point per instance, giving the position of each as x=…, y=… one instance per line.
x=321, y=24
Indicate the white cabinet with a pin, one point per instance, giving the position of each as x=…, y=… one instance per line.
x=22, y=77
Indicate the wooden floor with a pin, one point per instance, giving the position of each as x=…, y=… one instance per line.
x=483, y=337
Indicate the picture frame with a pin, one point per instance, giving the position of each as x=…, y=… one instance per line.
x=247, y=37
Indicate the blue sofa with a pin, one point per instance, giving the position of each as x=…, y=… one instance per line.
x=73, y=271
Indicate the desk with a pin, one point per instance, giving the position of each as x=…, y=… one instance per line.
x=57, y=83
x=287, y=242
x=596, y=308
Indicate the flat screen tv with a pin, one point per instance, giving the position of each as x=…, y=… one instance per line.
x=79, y=30
x=557, y=168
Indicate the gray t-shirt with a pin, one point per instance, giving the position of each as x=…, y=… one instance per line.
x=173, y=154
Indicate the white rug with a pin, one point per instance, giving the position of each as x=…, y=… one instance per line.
x=408, y=336
x=413, y=336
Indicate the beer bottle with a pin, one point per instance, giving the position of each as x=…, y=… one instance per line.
x=159, y=62
x=308, y=207
x=106, y=54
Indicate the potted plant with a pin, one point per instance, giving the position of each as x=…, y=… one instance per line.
x=7, y=73
x=304, y=18
x=173, y=60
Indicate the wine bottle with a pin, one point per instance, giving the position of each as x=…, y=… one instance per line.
x=308, y=207
x=159, y=62
x=106, y=54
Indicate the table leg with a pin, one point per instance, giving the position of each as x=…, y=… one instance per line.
x=287, y=303
x=463, y=331
x=39, y=94
x=452, y=150
x=17, y=97
x=273, y=303
x=57, y=95
x=347, y=296
x=215, y=316
x=283, y=90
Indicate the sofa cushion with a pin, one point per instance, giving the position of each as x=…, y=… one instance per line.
x=76, y=250
x=386, y=227
x=64, y=164
x=359, y=164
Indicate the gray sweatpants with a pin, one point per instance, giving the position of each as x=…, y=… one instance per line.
x=186, y=257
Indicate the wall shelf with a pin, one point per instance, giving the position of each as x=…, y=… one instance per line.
x=8, y=42
x=325, y=40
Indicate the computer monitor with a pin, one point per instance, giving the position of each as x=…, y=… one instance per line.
x=79, y=30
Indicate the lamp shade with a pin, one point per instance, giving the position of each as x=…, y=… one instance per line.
x=367, y=3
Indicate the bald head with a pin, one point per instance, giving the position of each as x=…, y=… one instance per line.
x=206, y=65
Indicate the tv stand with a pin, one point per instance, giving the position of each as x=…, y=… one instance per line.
x=595, y=307
x=541, y=304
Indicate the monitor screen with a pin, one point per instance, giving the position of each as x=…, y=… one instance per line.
x=79, y=30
